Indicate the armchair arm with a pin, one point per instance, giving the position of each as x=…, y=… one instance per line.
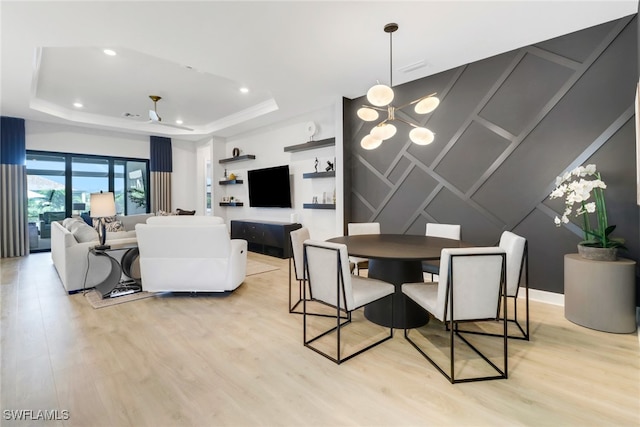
x=237, y=263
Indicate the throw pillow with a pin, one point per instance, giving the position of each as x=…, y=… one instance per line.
x=85, y=216
x=107, y=219
x=83, y=232
x=114, y=226
x=67, y=222
x=163, y=213
x=184, y=212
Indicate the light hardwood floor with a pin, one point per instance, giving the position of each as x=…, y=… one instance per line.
x=238, y=360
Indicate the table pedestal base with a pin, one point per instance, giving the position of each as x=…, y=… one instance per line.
x=410, y=315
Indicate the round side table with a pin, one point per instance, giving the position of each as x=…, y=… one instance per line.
x=600, y=295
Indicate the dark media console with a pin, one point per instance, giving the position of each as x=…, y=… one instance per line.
x=265, y=237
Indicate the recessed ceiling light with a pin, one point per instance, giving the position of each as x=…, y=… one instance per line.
x=179, y=121
x=244, y=89
x=109, y=52
x=78, y=104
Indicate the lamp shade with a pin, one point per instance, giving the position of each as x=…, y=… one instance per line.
x=380, y=95
x=102, y=205
x=370, y=143
x=421, y=136
x=368, y=114
x=427, y=105
x=383, y=131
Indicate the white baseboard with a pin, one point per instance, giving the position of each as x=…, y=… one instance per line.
x=542, y=296
x=558, y=299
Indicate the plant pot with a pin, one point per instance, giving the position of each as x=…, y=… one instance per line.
x=598, y=254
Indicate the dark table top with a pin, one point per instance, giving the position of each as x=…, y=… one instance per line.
x=396, y=246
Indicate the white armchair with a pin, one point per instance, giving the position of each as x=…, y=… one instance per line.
x=190, y=254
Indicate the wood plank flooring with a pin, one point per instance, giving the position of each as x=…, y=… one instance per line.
x=238, y=360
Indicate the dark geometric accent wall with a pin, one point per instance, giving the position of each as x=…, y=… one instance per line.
x=505, y=128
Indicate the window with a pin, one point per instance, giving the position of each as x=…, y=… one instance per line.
x=60, y=185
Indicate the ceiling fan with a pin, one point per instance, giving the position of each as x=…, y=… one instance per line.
x=155, y=118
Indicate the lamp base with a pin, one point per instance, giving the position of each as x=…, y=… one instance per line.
x=101, y=247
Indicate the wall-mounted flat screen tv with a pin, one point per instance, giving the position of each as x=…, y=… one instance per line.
x=269, y=187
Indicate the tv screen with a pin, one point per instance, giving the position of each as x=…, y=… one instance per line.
x=269, y=188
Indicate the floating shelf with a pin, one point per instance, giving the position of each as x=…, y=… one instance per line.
x=329, y=142
x=231, y=204
x=319, y=206
x=238, y=158
x=329, y=174
x=231, y=182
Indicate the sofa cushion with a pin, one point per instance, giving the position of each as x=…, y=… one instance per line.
x=130, y=221
x=117, y=235
x=67, y=222
x=82, y=231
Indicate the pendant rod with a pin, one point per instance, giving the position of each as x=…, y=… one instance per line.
x=391, y=28
x=391, y=59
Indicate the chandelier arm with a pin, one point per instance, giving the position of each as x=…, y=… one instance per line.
x=374, y=108
x=406, y=122
x=416, y=101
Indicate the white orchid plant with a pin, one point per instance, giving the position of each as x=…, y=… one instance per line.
x=575, y=187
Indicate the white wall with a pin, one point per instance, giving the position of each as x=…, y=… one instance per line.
x=268, y=147
x=184, y=177
x=75, y=139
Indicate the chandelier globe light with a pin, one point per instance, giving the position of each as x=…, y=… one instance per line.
x=380, y=97
x=370, y=143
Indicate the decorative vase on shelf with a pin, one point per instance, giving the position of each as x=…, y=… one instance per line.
x=598, y=254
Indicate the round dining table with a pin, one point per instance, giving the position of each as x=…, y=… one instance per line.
x=397, y=259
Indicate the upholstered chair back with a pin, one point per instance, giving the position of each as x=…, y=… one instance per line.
x=326, y=264
x=445, y=231
x=475, y=274
x=514, y=246
x=356, y=228
x=298, y=238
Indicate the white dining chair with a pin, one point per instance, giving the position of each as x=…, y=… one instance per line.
x=296, y=263
x=471, y=289
x=330, y=282
x=517, y=272
x=358, y=228
x=445, y=231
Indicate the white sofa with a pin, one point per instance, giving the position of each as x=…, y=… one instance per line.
x=71, y=240
x=190, y=254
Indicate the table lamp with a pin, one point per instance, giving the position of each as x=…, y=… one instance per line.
x=102, y=205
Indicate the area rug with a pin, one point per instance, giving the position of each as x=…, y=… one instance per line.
x=95, y=298
x=257, y=267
